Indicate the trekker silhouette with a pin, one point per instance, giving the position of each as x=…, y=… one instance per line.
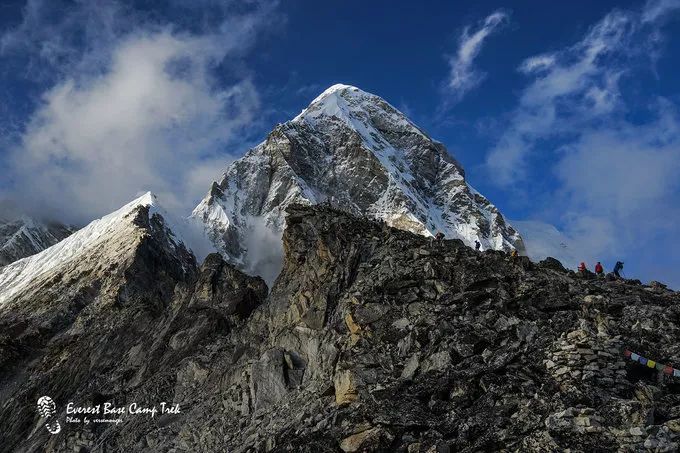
x=617, y=268
x=437, y=238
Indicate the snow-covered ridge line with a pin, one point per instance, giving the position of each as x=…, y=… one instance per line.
x=15, y=276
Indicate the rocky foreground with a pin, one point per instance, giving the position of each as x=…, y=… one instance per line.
x=371, y=339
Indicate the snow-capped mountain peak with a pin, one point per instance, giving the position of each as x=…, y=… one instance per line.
x=356, y=151
x=114, y=233
x=331, y=98
x=358, y=110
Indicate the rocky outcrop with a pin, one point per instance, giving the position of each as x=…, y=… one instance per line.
x=371, y=339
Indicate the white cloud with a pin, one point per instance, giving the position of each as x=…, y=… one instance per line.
x=543, y=240
x=624, y=169
x=537, y=64
x=149, y=115
x=265, y=251
x=49, y=40
x=463, y=76
x=568, y=81
x=573, y=89
x=8, y=210
x=617, y=187
x=656, y=10
x=587, y=239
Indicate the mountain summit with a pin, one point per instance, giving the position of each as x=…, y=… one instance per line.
x=104, y=244
x=355, y=151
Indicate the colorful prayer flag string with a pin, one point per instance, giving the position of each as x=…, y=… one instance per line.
x=667, y=369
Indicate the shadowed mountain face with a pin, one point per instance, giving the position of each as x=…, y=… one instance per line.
x=25, y=236
x=371, y=339
x=349, y=149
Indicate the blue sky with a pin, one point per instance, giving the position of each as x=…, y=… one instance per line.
x=561, y=112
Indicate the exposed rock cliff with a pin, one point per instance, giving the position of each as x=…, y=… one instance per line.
x=371, y=339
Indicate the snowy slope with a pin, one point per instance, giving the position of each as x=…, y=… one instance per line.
x=355, y=151
x=112, y=233
x=25, y=236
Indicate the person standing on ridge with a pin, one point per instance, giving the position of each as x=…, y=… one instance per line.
x=582, y=268
x=617, y=268
x=436, y=239
x=599, y=270
x=477, y=245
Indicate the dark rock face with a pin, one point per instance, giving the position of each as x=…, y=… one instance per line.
x=227, y=291
x=370, y=340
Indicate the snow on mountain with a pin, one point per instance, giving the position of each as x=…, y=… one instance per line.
x=355, y=151
x=25, y=236
x=111, y=236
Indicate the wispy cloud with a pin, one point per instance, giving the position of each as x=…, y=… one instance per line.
x=577, y=88
x=139, y=109
x=615, y=175
x=571, y=89
x=463, y=76
x=658, y=10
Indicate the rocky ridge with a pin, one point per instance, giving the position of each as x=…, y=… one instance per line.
x=371, y=339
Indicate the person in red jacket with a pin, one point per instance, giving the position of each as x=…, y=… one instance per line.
x=599, y=270
x=436, y=239
x=582, y=267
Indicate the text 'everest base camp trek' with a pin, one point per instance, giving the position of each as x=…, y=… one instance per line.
x=402, y=314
